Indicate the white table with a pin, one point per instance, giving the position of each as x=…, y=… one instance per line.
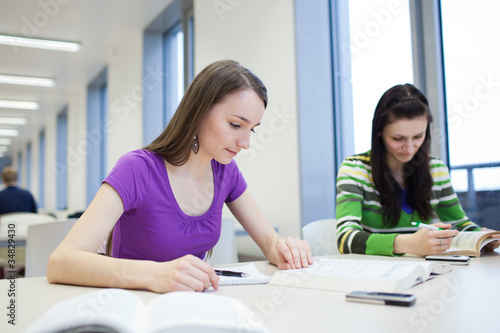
x=465, y=300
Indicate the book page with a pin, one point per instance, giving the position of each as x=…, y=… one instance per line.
x=254, y=276
x=201, y=312
x=486, y=241
x=118, y=309
x=466, y=240
x=360, y=269
x=354, y=274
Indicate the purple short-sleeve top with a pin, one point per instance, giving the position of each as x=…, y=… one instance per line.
x=153, y=226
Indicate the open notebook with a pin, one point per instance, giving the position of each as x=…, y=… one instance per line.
x=254, y=276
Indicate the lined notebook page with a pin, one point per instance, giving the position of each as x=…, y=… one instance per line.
x=254, y=276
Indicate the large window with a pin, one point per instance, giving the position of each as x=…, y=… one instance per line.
x=442, y=47
x=362, y=48
x=41, y=170
x=61, y=157
x=97, y=113
x=472, y=77
x=381, y=57
x=20, y=168
x=174, y=69
x=168, y=66
x=28, y=166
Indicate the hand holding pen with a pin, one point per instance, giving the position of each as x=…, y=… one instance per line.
x=429, y=240
x=230, y=273
x=441, y=240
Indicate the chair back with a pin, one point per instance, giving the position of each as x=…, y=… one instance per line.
x=224, y=251
x=22, y=220
x=322, y=236
x=41, y=241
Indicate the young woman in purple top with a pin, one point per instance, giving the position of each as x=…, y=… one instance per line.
x=160, y=207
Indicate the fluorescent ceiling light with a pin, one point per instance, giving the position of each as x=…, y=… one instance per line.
x=12, y=121
x=40, y=43
x=3, y=149
x=27, y=81
x=5, y=141
x=18, y=105
x=8, y=132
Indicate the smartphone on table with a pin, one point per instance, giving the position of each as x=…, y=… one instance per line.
x=381, y=298
x=452, y=260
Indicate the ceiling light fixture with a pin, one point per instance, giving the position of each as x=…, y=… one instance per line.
x=8, y=132
x=18, y=105
x=12, y=121
x=26, y=80
x=4, y=141
x=40, y=43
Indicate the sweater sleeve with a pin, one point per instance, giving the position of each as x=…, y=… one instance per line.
x=353, y=181
x=445, y=200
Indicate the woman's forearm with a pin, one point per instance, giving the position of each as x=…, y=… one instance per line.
x=89, y=269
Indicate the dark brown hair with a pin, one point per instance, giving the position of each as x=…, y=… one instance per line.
x=209, y=87
x=402, y=102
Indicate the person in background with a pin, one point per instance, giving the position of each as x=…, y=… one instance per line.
x=163, y=203
x=12, y=198
x=382, y=191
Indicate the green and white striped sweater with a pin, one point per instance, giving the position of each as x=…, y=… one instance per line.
x=360, y=227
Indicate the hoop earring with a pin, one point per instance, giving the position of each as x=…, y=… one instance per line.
x=195, y=145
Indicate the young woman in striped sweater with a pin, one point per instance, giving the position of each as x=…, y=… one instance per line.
x=380, y=192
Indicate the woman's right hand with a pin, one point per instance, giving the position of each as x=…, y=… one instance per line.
x=188, y=273
x=425, y=241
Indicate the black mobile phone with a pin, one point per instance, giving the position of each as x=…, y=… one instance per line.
x=452, y=260
x=381, y=298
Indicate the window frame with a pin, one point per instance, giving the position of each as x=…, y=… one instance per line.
x=97, y=120
x=157, y=111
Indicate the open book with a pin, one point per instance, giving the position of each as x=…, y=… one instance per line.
x=118, y=310
x=347, y=275
x=254, y=276
x=470, y=243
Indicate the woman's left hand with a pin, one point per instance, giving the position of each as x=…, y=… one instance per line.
x=492, y=245
x=293, y=253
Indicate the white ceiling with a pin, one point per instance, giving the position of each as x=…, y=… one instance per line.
x=97, y=24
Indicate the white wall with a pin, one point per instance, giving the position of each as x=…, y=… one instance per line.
x=77, y=150
x=124, y=130
x=260, y=35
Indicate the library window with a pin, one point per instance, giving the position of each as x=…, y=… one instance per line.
x=97, y=122
x=472, y=79
x=61, y=160
x=174, y=70
x=41, y=170
x=168, y=66
x=381, y=57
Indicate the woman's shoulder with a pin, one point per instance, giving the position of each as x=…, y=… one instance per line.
x=356, y=166
x=358, y=159
x=140, y=154
x=439, y=171
x=138, y=157
x=436, y=162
